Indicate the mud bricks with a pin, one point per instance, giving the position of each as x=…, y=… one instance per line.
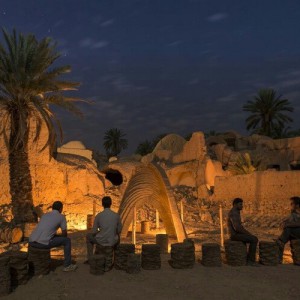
x=39, y=261
x=108, y=253
x=133, y=263
x=268, y=253
x=18, y=264
x=97, y=264
x=151, y=257
x=182, y=255
x=211, y=255
x=5, y=281
x=295, y=247
x=236, y=253
x=121, y=254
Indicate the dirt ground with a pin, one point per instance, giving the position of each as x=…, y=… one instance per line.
x=240, y=283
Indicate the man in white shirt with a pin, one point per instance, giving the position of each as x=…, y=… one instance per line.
x=44, y=235
x=106, y=230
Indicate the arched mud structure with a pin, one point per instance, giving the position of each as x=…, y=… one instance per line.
x=150, y=185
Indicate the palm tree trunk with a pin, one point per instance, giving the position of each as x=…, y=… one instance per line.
x=20, y=183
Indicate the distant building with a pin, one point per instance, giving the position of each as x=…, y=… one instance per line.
x=76, y=148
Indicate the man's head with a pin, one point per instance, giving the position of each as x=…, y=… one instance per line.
x=57, y=205
x=295, y=203
x=238, y=203
x=106, y=202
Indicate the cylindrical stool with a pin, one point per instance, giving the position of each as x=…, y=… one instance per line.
x=108, y=253
x=5, y=281
x=28, y=228
x=121, y=253
x=18, y=263
x=236, y=253
x=182, y=256
x=145, y=227
x=268, y=253
x=151, y=257
x=39, y=261
x=295, y=248
x=163, y=241
x=133, y=263
x=97, y=264
x=211, y=255
x=89, y=222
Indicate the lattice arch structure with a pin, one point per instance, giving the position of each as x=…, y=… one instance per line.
x=150, y=185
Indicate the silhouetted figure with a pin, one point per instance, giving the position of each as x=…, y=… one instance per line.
x=239, y=233
x=291, y=227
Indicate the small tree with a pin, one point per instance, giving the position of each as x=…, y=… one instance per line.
x=144, y=148
x=114, y=142
x=244, y=165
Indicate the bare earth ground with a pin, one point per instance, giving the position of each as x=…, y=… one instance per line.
x=240, y=283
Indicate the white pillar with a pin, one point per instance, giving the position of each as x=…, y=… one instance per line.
x=181, y=210
x=156, y=219
x=221, y=225
x=134, y=226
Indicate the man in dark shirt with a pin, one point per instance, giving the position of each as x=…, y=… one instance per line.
x=291, y=226
x=239, y=233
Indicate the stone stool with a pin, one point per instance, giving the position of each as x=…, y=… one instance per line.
x=133, y=263
x=97, y=264
x=211, y=255
x=108, y=253
x=295, y=248
x=5, y=281
x=268, y=253
x=163, y=241
x=151, y=257
x=121, y=253
x=236, y=253
x=39, y=261
x=18, y=264
x=182, y=256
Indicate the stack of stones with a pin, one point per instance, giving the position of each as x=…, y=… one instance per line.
x=268, y=253
x=236, y=253
x=182, y=255
x=108, y=253
x=151, y=257
x=5, y=282
x=18, y=264
x=39, y=261
x=97, y=264
x=211, y=255
x=163, y=241
x=295, y=247
x=133, y=263
x=121, y=254
x=192, y=243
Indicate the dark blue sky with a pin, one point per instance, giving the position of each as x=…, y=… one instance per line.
x=157, y=66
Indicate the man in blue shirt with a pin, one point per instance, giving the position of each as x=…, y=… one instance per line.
x=44, y=235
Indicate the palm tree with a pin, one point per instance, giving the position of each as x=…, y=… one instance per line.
x=28, y=85
x=114, y=142
x=244, y=164
x=267, y=112
x=144, y=148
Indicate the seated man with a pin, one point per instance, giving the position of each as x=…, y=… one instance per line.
x=291, y=226
x=106, y=229
x=44, y=235
x=239, y=233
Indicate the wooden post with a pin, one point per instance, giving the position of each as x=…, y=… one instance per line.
x=156, y=219
x=134, y=226
x=181, y=210
x=94, y=208
x=221, y=225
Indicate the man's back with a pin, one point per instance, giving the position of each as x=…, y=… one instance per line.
x=109, y=224
x=47, y=227
x=234, y=221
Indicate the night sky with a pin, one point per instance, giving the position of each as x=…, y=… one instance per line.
x=161, y=66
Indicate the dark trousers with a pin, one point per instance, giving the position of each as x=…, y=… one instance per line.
x=247, y=239
x=288, y=234
x=107, y=251
x=57, y=241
